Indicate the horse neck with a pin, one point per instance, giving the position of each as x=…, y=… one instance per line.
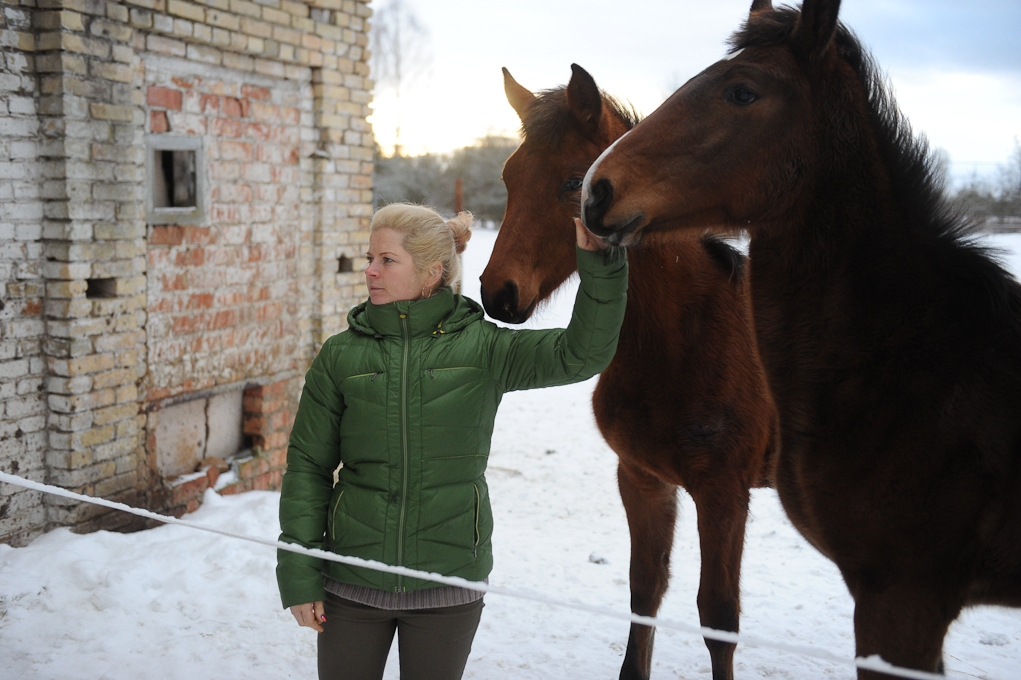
x=668, y=277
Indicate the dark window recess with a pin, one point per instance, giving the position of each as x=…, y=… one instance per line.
x=345, y=265
x=101, y=288
x=174, y=184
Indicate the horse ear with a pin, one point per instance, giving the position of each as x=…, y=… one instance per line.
x=814, y=31
x=761, y=6
x=519, y=97
x=584, y=100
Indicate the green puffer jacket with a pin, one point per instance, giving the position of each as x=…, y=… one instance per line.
x=406, y=399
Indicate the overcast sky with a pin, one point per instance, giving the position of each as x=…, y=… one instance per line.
x=955, y=65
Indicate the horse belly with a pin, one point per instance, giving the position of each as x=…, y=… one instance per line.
x=675, y=433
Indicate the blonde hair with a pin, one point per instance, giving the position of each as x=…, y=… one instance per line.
x=428, y=237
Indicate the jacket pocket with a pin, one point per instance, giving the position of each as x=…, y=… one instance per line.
x=333, y=517
x=364, y=387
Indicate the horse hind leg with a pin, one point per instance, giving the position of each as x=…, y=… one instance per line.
x=651, y=506
x=722, y=515
x=904, y=625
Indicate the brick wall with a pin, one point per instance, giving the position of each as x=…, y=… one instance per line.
x=22, y=401
x=226, y=299
x=122, y=321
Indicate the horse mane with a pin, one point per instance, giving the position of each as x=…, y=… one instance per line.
x=916, y=182
x=548, y=118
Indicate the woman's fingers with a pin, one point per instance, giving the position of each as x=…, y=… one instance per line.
x=311, y=615
x=586, y=239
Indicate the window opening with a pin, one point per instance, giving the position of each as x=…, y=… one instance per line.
x=174, y=181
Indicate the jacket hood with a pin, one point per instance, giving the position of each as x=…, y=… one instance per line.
x=442, y=313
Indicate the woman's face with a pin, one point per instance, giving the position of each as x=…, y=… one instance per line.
x=391, y=274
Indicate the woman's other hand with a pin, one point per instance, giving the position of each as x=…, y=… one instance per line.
x=311, y=615
x=586, y=239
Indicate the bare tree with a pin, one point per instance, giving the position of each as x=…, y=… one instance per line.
x=400, y=52
x=1010, y=179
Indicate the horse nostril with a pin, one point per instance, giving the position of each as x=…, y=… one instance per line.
x=600, y=197
x=503, y=304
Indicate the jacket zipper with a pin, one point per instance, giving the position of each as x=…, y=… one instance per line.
x=404, y=450
x=478, y=503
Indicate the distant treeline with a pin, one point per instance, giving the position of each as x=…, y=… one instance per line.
x=430, y=178
x=995, y=200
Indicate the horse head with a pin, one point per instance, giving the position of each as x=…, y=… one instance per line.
x=733, y=146
x=564, y=130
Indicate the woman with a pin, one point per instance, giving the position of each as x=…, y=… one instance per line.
x=404, y=402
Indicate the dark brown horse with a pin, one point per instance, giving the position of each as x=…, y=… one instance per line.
x=684, y=402
x=891, y=341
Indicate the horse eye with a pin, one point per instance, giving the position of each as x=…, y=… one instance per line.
x=573, y=184
x=741, y=95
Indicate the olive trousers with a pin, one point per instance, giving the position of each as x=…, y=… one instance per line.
x=433, y=643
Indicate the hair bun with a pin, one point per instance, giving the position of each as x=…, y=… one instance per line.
x=461, y=227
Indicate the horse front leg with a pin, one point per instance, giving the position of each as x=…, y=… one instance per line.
x=651, y=506
x=722, y=515
x=903, y=624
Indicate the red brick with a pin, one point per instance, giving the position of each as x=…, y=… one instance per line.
x=291, y=116
x=223, y=319
x=268, y=312
x=258, y=131
x=174, y=282
x=271, y=389
x=191, y=258
x=235, y=151
x=209, y=103
x=267, y=113
x=253, y=92
x=253, y=424
x=186, y=83
x=164, y=97
x=277, y=440
x=253, y=467
x=225, y=127
x=232, y=489
x=198, y=235
x=166, y=236
x=200, y=301
x=184, y=325
x=285, y=174
x=182, y=493
x=256, y=405
x=231, y=107
x=278, y=457
x=213, y=473
x=233, y=193
x=224, y=213
x=158, y=121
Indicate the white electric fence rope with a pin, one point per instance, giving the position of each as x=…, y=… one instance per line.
x=872, y=663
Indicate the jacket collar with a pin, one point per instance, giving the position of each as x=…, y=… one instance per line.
x=442, y=313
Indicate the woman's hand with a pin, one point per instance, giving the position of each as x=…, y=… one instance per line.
x=586, y=239
x=311, y=615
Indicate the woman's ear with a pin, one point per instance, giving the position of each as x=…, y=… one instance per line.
x=433, y=275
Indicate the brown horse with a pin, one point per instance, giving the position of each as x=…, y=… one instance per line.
x=684, y=402
x=892, y=342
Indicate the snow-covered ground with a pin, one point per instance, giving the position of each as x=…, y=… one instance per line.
x=177, y=603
